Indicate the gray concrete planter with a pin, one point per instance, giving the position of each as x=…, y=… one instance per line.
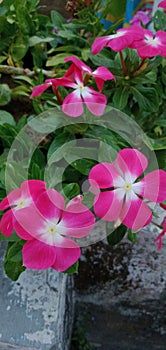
x=36, y=310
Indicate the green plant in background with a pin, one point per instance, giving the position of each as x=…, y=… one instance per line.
x=22, y=28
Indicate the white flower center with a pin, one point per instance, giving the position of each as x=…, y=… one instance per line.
x=152, y=41
x=128, y=186
x=22, y=203
x=52, y=230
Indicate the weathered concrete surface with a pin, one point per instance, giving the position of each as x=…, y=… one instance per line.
x=122, y=291
x=7, y=346
x=37, y=309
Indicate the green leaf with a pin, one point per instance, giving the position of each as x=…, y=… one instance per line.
x=24, y=78
x=13, y=260
x=12, y=238
x=13, y=269
x=5, y=94
x=146, y=97
x=56, y=60
x=36, y=172
x=57, y=19
x=73, y=269
x=66, y=48
x=101, y=57
x=6, y=117
x=34, y=40
x=161, y=122
x=14, y=252
x=132, y=236
x=21, y=90
x=71, y=190
x=117, y=235
x=157, y=144
x=120, y=97
x=19, y=48
x=161, y=158
x=159, y=20
x=107, y=153
x=83, y=165
x=60, y=139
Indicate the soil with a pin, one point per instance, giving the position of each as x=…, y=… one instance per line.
x=57, y=5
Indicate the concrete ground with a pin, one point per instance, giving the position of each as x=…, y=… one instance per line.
x=121, y=295
x=124, y=326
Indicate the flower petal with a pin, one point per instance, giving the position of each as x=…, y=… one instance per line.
x=31, y=222
x=37, y=255
x=78, y=63
x=6, y=223
x=33, y=188
x=66, y=257
x=95, y=101
x=51, y=204
x=72, y=105
x=11, y=199
x=39, y=89
x=131, y=161
x=21, y=232
x=99, y=44
x=154, y=186
x=103, y=175
x=108, y=205
x=77, y=224
x=162, y=4
x=102, y=74
x=135, y=213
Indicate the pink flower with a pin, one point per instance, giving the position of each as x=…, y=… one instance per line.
x=118, y=41
x=101, y=74
x=77, y=77
x=162, y=4
x=17, y=200
x=151, y=45
x=73, y=103
x=48, y=227
x=141, y=17
x=161, y=235
x=119, y=193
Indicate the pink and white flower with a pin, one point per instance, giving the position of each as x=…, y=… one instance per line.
x=17, y=200
x=101, y=74
x=151, y=44
x=141, y=17
x=73, y=103
x=76, y=78
x=120, y=196
x=120, y=40
x=162, y=4
x=49, y=228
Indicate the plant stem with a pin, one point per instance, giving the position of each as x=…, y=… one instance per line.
x=123, y=63
x=86, y=79
x=58, y=96
x=21, y=71
x=139, y=69
x=157, y=225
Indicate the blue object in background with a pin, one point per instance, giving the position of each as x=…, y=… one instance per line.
x=130, y=7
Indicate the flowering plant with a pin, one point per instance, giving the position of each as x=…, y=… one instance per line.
x=96, y=155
